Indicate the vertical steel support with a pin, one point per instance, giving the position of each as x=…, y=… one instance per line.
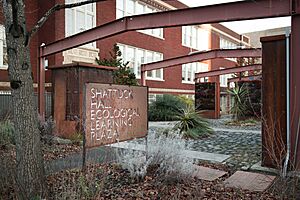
x=41, y=84
x=295, y=89
x=143, y=78
x=218, y=99
x=228, y=98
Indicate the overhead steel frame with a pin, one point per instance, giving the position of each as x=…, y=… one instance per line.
x=191, y=16
x=228, y=71
x=198, y=57
x=237, y=11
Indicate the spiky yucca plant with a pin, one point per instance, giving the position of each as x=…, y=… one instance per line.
x=239, y=108
x=191, y=124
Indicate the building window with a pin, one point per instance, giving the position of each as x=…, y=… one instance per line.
x=224, y=78
x=226, y=44
x=80, y=19
x=137, y=56
x=3, y=49
x=189, y=70
x=134, y=7
x=153, y=97
x=195, y=37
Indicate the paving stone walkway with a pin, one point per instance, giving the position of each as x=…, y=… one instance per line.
x=249, y=181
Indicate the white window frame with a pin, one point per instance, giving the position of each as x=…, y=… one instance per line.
x=83, y=9
x=228, y=44
x=136, y=66
x=224, y=79
x=192, y=37
x=194, y=68
x=2, y=48
x=151, y=32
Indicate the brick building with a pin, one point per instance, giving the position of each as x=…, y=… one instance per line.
x=137, y=46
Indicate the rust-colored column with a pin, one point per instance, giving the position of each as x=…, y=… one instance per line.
x=143, y=78
x=217, y=97
x=41, y=84
x=295, y=90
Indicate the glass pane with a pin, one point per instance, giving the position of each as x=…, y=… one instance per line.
x=189, y=72
x=90, y=7
x=159, y=73
x=194, y=37
x=89, y=22
x=183, y=72
x=139, y=8
x=149, y=59
x=140, y=60
x=157, y=57
x=80, y=21
x=70, y=20
x=149, y=56
x=120, y=4
x=156, y=32
x=148, y=10
x=119, y=14
x=130, y=57
x=130, y=7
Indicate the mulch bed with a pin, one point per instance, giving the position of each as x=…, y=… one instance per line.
x=109, y=181
x=56, y=151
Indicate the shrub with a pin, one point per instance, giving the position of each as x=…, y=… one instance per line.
x=165, y=108
x=191, y=125
x=166, y=158
x=6, y=133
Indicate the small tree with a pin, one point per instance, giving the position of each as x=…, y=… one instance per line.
x=122, y=76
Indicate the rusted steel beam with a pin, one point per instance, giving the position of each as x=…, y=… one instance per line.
x=201, y=56
x=243, y=10
x=245, y=78
x=228, y=71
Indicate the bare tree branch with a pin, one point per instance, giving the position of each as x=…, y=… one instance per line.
x=55, y=8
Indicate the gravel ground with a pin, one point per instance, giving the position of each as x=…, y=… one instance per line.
x=221, y=123
x=243, y=147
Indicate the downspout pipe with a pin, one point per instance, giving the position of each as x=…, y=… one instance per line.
x=288, y=125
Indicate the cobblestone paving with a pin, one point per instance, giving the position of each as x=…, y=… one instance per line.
x=243, y=147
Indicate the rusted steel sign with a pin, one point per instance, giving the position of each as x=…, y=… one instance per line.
x=114, y=113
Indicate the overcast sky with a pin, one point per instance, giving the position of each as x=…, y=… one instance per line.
x=244, y=26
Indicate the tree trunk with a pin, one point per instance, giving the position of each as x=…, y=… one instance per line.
x=30, y=178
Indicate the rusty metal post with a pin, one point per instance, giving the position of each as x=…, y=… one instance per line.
x=295, y=87
x=228, y=98
x=143, y=78
x=41, y=84
x=217, y=98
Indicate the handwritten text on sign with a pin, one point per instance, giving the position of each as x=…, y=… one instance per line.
x=114, y=113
